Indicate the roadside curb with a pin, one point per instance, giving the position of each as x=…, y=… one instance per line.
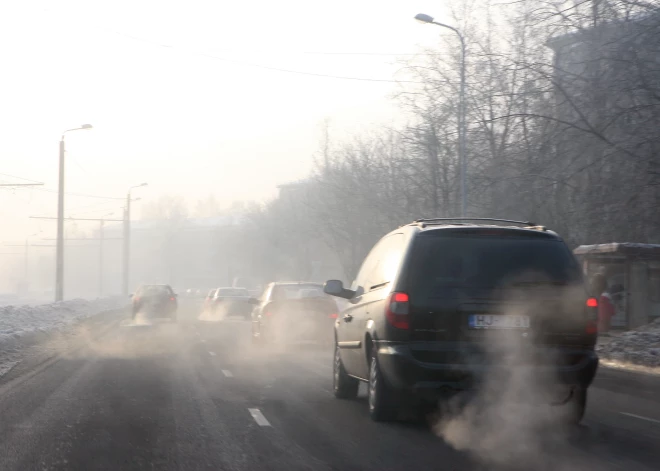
x=8, y=381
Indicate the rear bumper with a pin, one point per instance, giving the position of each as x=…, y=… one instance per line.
x=404, y=371
x=164, y=310
x=290, y=332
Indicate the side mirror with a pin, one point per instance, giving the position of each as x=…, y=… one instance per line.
x=336, y=288
x=254, y=301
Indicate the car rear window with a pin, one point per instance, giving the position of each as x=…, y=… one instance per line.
x=156, y=291
x=450, y=265
x=232, y=292
x=283, y=292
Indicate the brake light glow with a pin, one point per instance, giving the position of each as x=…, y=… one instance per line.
x=172, y=299
x=333, y=316
x=592, y=316
x=398, y=310
x=268, y=313
x=400, y=298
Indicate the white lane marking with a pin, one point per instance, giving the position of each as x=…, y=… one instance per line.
x=640, y=417
x=227, y=373
x=212, y=354
x=259, y=417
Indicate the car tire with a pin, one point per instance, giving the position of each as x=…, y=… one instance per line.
x=343, y=386
x=381, y=396
x=577, y=405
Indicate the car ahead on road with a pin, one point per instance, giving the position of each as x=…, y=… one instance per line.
x=292, y=312
x=440, y=306
x=229, y=301
x=155, y=301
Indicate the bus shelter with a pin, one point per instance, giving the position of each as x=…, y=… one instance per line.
x=632, y=272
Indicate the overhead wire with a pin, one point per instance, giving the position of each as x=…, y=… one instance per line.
x=262, y=66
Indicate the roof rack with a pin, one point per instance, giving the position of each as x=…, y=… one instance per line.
x=522, y=223
x=526, y=224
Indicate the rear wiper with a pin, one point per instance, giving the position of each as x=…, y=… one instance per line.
x=539, y=283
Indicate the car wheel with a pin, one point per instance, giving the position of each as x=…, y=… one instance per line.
x=577, y=406
x=344, y=386
x=380, y=395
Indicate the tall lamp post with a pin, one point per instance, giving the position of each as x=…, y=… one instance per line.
x=127, y=238
x=59, y=264
x=423, y=18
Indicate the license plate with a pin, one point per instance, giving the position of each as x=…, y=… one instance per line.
x=497, y=321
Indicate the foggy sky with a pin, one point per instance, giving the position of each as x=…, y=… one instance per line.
x=186, y=123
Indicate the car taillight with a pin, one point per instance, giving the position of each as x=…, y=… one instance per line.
x=172, y=299
x=137, y=300
x=397, y=310
x=333, y=316
x=592, y=316
x=268, y=313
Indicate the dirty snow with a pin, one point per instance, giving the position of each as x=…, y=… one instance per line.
x=640, y=346
x=18, y=321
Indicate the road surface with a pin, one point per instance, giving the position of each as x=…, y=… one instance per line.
x=198, y=396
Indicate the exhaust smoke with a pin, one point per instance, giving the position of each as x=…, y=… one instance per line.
x=513, y=416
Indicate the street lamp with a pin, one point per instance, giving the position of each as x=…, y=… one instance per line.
x=423, y=18
x=59, y=264
x=127, y=237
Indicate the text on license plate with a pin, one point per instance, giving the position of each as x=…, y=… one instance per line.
x=498, y=321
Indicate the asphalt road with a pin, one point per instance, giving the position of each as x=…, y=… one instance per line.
x=198, y=395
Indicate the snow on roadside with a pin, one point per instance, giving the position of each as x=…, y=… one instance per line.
x=18, y=321
x=640, y=347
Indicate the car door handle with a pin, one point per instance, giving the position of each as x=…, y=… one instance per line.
x=348, y=318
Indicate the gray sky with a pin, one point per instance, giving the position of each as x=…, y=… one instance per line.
x=174, y=117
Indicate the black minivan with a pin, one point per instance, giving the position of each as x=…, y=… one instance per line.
x=439, y=305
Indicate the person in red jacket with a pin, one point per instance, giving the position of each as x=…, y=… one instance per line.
x=606, y=309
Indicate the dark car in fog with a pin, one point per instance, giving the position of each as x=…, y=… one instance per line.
x=442, y=307
x=155, y=301
x=291, y=312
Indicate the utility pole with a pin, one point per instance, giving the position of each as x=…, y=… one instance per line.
x=60, y=241
x=127, y=240
x=26, y=257
x=127, y=246
x=462, y=111
x=59, y=264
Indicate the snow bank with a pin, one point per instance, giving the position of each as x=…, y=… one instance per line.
x=18, y=321
x=638, y=347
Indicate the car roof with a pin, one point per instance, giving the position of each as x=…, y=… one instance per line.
x=432, y=225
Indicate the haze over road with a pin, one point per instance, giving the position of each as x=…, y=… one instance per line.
x=198, y=395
